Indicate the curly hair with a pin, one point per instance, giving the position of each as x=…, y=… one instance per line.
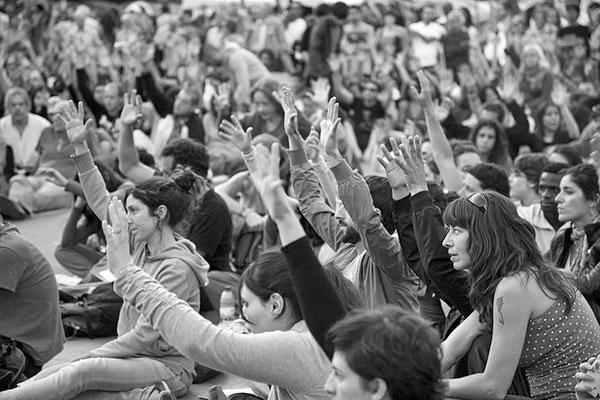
x=499, y=152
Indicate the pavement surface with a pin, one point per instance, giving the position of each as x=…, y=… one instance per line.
x=44, y=231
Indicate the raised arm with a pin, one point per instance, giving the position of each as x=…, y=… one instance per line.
x=442, y=151
x=129, y=160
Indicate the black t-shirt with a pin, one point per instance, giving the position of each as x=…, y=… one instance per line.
x=363, y=118
x=210, y=231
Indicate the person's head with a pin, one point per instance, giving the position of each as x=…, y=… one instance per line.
x=186, y=101
x=533, y=56
x=187, y=153
x=485, y=176
x=381, y=193
x=112, y=98
x=491, y=141
x=322, y=10
x=157, y=204
x=354, y=15
x=579, y=197
x=487, y=236
x=549, y=185
x=369, y=91
x=267, y=296
x=55, y=104
x=526, y=176
x=265, y=104
x=572, y=12
x=548, y=118
x=386, y=353
x=465, y=155
x=340, y=10
x=427, y=13
x=566, y=154
x=17, y=103
x=456, y=21
x=494, y=111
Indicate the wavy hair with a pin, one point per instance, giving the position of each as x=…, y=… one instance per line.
x=499, y=152
x=501, y=244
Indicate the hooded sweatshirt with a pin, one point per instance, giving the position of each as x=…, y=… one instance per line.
x=178, y=268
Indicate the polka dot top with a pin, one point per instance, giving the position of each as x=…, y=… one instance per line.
x=554, y=347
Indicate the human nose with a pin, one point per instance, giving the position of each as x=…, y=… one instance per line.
x=558, y=198
x=330, y=384
x=447, y=242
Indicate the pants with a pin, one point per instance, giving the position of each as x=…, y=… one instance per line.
x=78, y=259
x=35, y=194
x=101, y=378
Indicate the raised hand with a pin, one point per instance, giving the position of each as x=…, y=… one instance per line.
x=117, y=237
x=234, y=133
x=52, y=175
x=425, y=95
x=328, y=129
x=72, y=117
x=321, y=88
x=559, y=94
x=313, y=146
x=393, y=171
x=444, y=108
x=446, y=81
x=335, y=62
x=223, y=96
x=266, y=179
x=290, y=117
x=132, y=108
x=409, y=158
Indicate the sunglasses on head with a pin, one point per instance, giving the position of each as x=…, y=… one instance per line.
x=479, y=200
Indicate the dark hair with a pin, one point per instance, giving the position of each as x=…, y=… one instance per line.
x=492, y=177
x=347, y=291
x=460, y=147
x=495, y=107
x=556, y=168
x=394, y=345
x=381, y=193
x=267, y=86
x=569, y=152
x=188, y=153
x=499, y=152
x=539, y=117
x=323, y=9
x=340, y=10
x=269, y=274
x=586, y=178
x=501, y=243
x=531, y=165
x=171, y=193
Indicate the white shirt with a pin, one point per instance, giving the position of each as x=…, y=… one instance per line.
x=24, y=146
x=426, y=52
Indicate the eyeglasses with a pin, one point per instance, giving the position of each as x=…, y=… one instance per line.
x=479, y=200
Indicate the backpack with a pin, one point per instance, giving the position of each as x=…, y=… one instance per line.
x=12, y=364
x=94, y=313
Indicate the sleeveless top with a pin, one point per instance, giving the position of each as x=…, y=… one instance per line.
x=554, y=347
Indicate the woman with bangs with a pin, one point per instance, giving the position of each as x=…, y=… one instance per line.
x=490, y=139
x=537, y=318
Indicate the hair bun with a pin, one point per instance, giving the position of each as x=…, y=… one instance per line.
x=184, y=178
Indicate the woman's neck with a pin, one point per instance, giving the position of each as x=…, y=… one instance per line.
x=582, y=222
x=160, y=241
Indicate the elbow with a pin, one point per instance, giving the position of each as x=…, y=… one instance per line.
x=494, y=393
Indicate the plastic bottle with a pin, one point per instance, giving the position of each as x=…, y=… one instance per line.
x=227, y=306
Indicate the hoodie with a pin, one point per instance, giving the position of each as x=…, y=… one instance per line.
x=182, y=271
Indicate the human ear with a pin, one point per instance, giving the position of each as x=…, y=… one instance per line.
x=377, y=388
x=277, y=303
x=161, y=212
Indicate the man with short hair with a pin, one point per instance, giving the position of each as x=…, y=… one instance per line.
x=385, y=354
x=525, y=178
x=485, y=176
x=544, y=215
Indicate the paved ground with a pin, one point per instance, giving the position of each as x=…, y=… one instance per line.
x=44, y=230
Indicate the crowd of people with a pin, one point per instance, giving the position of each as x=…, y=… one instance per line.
x=404, y=197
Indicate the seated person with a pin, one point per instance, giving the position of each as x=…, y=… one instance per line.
x=29, y=311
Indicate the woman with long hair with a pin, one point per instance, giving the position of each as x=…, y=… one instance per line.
x=537, y=317
x=554, y=124
x=577, y=248
x=139, y=361
x=536, y=80
x=492, y=143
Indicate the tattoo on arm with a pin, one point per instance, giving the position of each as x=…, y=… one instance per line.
x=499, y=304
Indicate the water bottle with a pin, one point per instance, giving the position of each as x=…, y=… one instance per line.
x=227, y=306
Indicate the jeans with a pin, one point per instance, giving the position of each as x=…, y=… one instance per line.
x=101, y=378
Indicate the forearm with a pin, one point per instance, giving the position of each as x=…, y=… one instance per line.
x=327, y=181
x=344, y=96
x=92, y=183
x=126, y=151
x=217, y=348
x=442, y=151
x=570, y=123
